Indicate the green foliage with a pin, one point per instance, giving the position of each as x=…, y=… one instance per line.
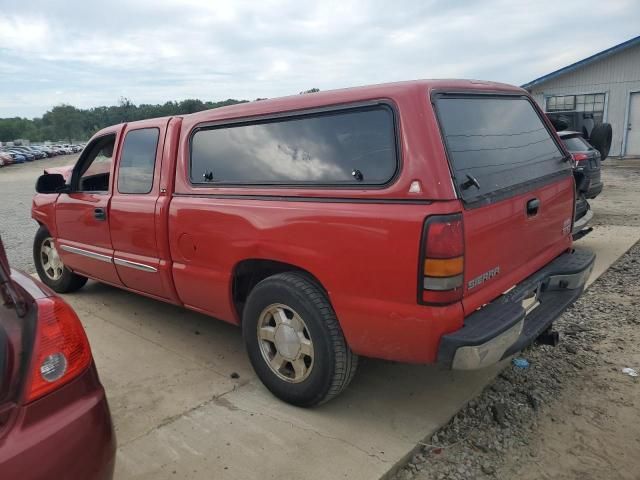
x=68, y=123
x=65, y=121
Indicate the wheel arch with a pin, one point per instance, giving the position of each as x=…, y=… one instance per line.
x=249, y=272
x=43, y=211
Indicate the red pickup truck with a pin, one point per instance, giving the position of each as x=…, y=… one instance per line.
x=422, y=221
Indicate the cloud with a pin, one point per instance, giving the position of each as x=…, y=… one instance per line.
x=152, y=51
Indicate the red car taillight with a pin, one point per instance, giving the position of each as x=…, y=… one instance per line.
x=442, y=260
x=61, y=349
x=579, y=157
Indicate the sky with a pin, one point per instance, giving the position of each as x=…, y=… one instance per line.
x=88, y=53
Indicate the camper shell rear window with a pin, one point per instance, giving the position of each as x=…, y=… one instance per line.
x=497, y=145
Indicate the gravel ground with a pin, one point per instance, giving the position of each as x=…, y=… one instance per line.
x=17, y=183
x=571, y=414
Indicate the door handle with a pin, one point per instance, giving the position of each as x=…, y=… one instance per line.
x=532, y=207
x=100, y=213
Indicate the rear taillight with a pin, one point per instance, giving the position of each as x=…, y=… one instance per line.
x=441, y=260
x=579, y=157
x=61, y=349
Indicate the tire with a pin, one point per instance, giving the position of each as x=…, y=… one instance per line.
x=601, y=137
x=52, y=271
x=311, y=327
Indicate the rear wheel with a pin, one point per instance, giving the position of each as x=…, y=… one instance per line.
x=50, y=267
x=295, y=342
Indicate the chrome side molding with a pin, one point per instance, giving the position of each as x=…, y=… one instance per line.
x=108, y=259
x=136, y=265
x=87, y=253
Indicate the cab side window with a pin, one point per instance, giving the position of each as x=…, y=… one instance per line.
x=138, y=160
x=94, y=172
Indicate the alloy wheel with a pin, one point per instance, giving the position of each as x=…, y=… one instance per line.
x=285, y=343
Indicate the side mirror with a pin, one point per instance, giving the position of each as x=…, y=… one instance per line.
x=51, y=183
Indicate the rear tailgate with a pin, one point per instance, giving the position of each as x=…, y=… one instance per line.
x=516, y=186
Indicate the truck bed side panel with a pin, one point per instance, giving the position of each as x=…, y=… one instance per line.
x=364, y=254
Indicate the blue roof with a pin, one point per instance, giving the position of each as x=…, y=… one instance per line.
x=593, y=58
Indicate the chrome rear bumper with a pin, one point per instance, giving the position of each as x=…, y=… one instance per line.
x=506, y=326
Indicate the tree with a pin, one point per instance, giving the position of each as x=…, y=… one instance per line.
x=312, y=90
x=10, y=129
x=191, y=106
x=66, y=121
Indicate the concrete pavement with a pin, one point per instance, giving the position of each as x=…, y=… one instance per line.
x=167, y=373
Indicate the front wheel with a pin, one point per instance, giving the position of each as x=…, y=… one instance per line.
x=295, y=342
x=49, y=265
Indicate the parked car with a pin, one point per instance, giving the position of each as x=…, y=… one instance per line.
x=29, y=157
x=37, y=152
x=587, y=176
x=50, y=149
x=5, y=159
x=66, y=149
x=26, y=151
x=55, y=417
x=587, y=156
x=40, y=154
x=17, y=157
x=422, y=222
x=57, y=150
x=587, y=163
x=44, y=150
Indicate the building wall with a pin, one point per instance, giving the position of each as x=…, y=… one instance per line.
x=616, y=76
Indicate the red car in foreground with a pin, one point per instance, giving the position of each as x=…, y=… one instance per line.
x=54, y=417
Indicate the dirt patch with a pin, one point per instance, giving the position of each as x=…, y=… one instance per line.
x=571, y=414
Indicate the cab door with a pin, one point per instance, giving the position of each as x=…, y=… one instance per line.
x=82, y=215
x=134, y=227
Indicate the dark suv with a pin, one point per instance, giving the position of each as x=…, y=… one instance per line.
x=587, y=176
x=587, y=158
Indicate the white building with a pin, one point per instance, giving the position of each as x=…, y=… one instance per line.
x=602, y=88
